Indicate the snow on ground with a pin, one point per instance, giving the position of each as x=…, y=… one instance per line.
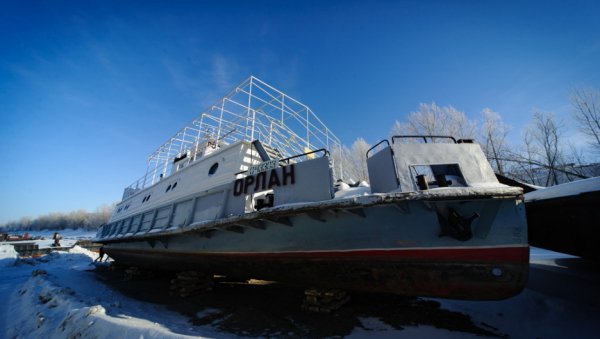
x=54, y=297
x=375, y=328
x=58, y=296
x=8, y=255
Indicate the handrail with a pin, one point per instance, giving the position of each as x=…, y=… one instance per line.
x=252, y=110
x=424, y=137
x=325, y=153
x=377, y=144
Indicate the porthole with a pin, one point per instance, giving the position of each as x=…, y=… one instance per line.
x=174, y=185
x=168, y=188
x=213, y=168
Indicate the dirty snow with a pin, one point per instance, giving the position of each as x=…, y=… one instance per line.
x=347, y=191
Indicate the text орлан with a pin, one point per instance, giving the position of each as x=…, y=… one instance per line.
x=281, y=176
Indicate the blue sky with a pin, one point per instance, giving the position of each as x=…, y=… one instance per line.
x=89, y=88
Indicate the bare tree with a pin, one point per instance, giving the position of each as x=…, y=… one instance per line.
x=493, y=135
x=356, y=160
x=586, y=111
x=60, y=221
x=431, y=119
x=575, y=163
x=541, y=159
x=528, y=156
x=338, y=157
x=547, y=133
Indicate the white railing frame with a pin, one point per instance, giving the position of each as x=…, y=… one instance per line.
x=254, y=110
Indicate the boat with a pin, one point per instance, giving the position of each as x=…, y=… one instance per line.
x=564, y=218
x=256, y=188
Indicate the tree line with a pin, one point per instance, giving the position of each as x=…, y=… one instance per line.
x=61, y=221
x=541, y=156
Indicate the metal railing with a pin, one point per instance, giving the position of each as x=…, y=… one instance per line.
x=253, y=110
x=424, y=137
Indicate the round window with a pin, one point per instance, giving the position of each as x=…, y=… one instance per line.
x=213, y=168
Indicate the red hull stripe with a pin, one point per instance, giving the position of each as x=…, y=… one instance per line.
x=519, y=254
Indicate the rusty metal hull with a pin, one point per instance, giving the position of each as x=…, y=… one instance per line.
x=487, y=274
x=390, y=245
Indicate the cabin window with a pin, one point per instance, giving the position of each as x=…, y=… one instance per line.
x=113, y=228
x=438, y=175
x=181, y=213
x=135, y=223
x=106, y=230
x=147, y=221
x=109, y=229
x=102, y=231
x=171, y=187
x=128, y=225
x=124, y=225
x=162, y=217
x=213, y=168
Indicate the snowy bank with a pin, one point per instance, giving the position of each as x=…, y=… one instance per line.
x=60, y=298
x=8, y=255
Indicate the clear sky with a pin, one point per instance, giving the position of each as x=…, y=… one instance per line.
x=89, y=88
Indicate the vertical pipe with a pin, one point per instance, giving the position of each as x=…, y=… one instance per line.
x=155, y=170
x=182, y=140
x=248, y=112
x=221, y=119
x=282, y=107
x=164, y=171
x=146, y=175
x=307, y=132
x=341, y=162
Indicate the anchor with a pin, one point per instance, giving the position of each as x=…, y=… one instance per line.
x=456, y=226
